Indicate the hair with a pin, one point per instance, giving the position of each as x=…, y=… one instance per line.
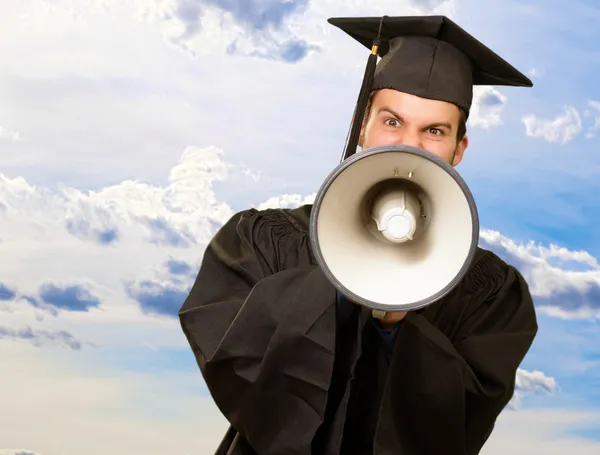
x=462, y=122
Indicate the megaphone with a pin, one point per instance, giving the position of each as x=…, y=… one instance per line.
x=394, y=228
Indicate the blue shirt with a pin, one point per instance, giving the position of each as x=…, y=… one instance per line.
x=388, y=337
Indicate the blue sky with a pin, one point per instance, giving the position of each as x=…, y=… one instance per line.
x=130, y=132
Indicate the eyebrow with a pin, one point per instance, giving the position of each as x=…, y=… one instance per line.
x=399, y=117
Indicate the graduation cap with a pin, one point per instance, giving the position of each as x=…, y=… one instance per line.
x=427, y=56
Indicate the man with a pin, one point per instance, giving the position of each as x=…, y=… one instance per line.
x=296, y=368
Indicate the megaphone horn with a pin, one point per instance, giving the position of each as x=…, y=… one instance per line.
x=394, y=228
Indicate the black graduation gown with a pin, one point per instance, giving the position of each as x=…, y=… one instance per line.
x=261, y=320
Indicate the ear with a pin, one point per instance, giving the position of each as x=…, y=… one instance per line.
x=460, y=150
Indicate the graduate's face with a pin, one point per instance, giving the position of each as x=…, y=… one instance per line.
x=401, y=118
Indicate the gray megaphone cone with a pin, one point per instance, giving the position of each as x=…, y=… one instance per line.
x=394, y=228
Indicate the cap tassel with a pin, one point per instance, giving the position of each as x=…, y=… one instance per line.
x=363, y=97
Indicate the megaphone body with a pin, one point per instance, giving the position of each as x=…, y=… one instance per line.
x=394, y=228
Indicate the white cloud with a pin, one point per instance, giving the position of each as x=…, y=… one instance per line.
x=534, y=381
x=9, y=134
x=134, y=113
x=564, y=283
x=562, y=128
x=531, y=382
x=429, y=6
x=543, y=432
x=595, y=105
x=268, y=28
x=187, y=203
x=60, y=237
x=41, y=337
x=129, y=97
x=488, y=104
x=286, y=201
x=56, y=407
x=535, y=253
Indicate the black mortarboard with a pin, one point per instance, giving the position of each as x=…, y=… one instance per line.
x=427, y=56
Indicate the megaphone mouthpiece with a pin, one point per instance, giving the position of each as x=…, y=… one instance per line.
x=396, y=213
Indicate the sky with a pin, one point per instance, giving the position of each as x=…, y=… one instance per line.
x=131, y=131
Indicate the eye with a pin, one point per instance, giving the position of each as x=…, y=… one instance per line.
x=393, y=121
x=435, y=131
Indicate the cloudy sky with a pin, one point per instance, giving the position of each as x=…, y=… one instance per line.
x=130, y=131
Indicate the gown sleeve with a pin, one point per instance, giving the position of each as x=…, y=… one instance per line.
x=463, y=354
x=260, y=320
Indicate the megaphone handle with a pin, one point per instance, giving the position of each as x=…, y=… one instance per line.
x=378, y=314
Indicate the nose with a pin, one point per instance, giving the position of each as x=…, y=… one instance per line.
x=410, y=138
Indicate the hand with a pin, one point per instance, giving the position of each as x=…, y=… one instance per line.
x=391, y=319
